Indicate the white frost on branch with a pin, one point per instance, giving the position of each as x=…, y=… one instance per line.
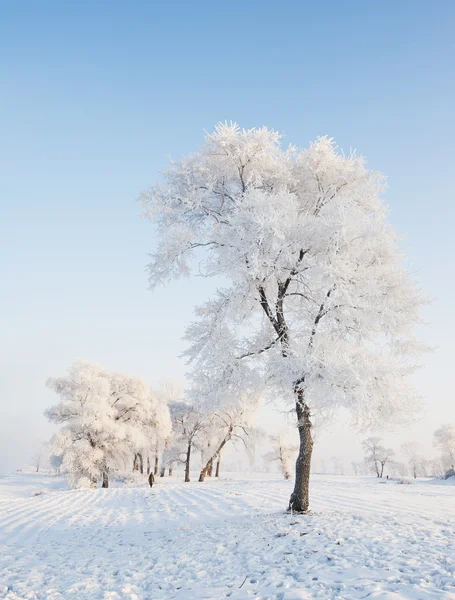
x=318, y=298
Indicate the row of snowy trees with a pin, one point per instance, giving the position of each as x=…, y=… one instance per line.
x=378, y=460
x=208, y=432
x=110, y=420
x=378, y=457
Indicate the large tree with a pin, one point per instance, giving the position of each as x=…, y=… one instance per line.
x=318, y=306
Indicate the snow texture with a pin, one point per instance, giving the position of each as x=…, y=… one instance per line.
x=226, y=539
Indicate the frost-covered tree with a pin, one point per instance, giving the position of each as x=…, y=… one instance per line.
x=444, y=440
x=337, y=466
x=41, y=457
x=283, y=452
x=169, y=392
x=413, y=453
x=397, y=468
x=231, y=423
x=318, y=306
x=105, y=415
x=188, y=425
x=436, y=467
x=377, y=456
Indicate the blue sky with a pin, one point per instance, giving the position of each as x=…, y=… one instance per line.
x=95, y=96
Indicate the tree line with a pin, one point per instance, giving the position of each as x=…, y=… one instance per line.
x=110, y=420
x=379, y=458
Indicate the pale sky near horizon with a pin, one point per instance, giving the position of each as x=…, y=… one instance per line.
x=95, y=96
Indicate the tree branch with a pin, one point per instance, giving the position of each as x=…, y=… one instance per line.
x=259, y=351
x=318, y=317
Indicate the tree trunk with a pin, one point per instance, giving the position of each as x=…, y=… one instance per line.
x=162, y=472
x=155, y=471
x=135, y=463
x=217, y=472
x=299, y=501
x=141, y=463
x=210, y=468
x=151, y=479
x=215, y=454
x=105, y=479
x=170, y=471
x=187, y=463
x=148, y=465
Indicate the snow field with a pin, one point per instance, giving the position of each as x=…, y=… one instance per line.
x=226, y=539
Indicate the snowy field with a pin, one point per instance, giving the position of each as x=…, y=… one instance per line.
x=226, y=539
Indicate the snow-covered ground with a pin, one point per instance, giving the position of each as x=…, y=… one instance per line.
x=226, y=539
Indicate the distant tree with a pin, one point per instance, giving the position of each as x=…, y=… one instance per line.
x=377, y=456
x=424, y=466
x=337, y=465
x=41, y=458
x=412, y=452
x=170, y=392
x=188, y=426
x=318, y=308
x=444, y=439
x=436, y=467
x=231, y=424
x=397, y=468
x=283, y=452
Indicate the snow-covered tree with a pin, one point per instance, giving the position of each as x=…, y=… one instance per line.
x=444, y=440
x=416, y=462
x=283, y=452
x=397, y=468
x=170, y=393
x=318, y=307
x=188, y=424
x=232, y=423
x=377, y=456
x=436, y=467
x=105, y=416
x=41, y=457
x=337, y=466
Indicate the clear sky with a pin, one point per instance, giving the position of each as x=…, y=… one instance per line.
x=94, y=98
